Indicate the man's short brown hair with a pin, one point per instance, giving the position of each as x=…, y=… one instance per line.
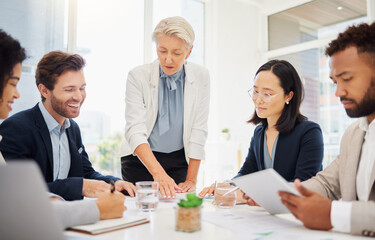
x=361, y=36
x=55, y=63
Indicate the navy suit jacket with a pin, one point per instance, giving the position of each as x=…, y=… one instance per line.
x=26, y=136
x=299, y=153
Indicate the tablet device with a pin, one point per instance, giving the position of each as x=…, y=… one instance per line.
x=263, y=187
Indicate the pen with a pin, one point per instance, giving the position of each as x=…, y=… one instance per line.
x=230, y=191
x=113, y=185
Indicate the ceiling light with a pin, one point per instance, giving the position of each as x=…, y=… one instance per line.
x=339, y=8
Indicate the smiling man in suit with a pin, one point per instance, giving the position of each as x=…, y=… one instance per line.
x=350, y=177
x=47, y=133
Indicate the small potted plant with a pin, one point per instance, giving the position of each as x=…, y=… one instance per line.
x=188, y=215
x=225, y=134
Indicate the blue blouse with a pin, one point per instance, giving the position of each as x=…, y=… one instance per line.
x=167, y=134
x=269, y=160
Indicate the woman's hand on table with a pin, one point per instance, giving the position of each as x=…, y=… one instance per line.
x=207, y=191
x=187, y=186
x=167, y=186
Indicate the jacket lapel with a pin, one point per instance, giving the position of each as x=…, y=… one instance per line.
x=44, y=133
x=352, y=163
x=372, y=193
x=261, y=149
x=75, y=160
x=189, y=95
x=154, y=85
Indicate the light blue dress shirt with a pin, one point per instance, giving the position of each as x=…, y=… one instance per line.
x=60, y=144
x=167, y=134
x=268, y=160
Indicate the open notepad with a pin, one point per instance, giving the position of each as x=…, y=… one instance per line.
x=103, y=226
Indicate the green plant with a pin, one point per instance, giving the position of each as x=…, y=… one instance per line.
x=192, y=201
x=225, y=130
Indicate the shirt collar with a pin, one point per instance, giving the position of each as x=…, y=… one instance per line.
x=364, y=126
x=50, y=121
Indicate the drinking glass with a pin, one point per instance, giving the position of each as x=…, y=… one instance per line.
x=147, y=193
x=222, y=201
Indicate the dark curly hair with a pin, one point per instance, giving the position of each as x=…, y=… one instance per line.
x=289, y=81
x=11, y=53
x=55, y=63
x=361, y=36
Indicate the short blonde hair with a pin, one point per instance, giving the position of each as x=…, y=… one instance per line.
x=175, y=27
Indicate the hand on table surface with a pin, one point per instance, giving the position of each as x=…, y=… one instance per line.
x=187, y=186
x=127, y=186
x=167, y=186
x=92, y=188
x=207, y=191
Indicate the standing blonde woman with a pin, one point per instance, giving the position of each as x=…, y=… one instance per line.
x=166, y=113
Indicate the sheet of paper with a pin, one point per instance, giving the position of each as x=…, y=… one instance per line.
x=245, y=221
x=298, y=234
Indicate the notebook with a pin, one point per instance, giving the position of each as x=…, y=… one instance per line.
x=103, y=226
x=263, y=187
x=26, y=211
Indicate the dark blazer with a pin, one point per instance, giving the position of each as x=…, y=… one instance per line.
x=299, y=153
x=25, y=135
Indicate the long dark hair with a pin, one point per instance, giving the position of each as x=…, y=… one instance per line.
x=289, y=81
x=11, y=53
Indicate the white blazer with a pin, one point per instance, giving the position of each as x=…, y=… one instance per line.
x=141, y=109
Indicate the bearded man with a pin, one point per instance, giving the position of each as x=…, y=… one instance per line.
x=342, y=196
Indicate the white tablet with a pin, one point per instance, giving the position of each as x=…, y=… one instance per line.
x=263, y=187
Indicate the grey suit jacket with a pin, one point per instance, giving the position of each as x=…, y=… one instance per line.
x=338, y=181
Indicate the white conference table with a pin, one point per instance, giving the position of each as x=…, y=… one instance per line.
x=162, y=226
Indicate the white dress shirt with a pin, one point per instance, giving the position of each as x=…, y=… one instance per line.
x=60, y=144
x=2, y=161
x=341, y=211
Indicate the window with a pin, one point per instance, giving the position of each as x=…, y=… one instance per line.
x=110, y=38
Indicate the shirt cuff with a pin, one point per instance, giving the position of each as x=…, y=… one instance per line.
x=136, y=140
x=195, y=151
x=340, y=216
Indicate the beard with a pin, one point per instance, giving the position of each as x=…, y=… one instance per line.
x=367, y=104
x=62, y=108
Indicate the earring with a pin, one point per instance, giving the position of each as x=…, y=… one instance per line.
x=287, y=103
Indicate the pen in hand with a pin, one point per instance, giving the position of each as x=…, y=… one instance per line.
x=112, y=185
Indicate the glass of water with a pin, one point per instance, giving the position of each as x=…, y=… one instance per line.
x=224, y=201
x=147, y=194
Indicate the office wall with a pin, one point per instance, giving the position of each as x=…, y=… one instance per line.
x=232, y=58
